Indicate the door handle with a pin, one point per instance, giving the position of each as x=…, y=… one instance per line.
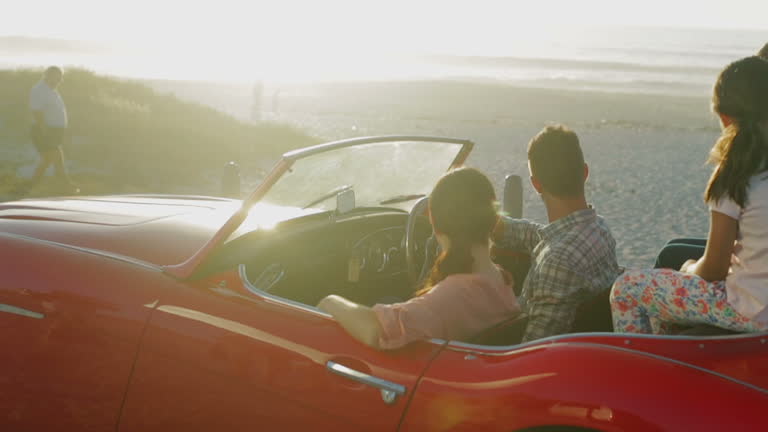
x=389, y=390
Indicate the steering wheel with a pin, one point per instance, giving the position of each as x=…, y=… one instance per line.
x=418, y=271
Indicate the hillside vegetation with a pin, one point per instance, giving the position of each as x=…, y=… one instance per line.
x=126, y=137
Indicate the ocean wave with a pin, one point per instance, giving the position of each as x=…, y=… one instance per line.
x=626, y=86
x=565, y=64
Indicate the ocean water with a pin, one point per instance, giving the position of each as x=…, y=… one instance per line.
x=678, y=62
x=635, y=60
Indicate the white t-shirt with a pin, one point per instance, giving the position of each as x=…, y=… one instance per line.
x=45, y=99
x=747, y=280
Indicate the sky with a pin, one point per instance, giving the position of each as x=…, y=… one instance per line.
x=392, y=24
x=318, y=31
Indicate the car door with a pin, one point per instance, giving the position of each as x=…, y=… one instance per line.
x=70, y=325
x=214, y=358
x=594, y=382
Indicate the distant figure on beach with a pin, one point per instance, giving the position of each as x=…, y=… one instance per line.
x=763, y=52
x=574, y=255
x=49, y=124
x=276, y=101
x=465, y=292
x=258, y=90
x=723, y=280
x=230, y=180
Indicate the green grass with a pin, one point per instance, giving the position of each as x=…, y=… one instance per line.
x=136, y=139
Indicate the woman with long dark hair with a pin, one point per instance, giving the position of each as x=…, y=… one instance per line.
x=728, y=286
x=465, y=292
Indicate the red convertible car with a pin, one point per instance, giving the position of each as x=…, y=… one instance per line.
x=164, y=313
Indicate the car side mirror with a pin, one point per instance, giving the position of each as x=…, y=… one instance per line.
x=513, y=196
x=345, y=201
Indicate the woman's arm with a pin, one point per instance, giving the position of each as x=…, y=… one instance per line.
x=714, y=265
x=358, y=320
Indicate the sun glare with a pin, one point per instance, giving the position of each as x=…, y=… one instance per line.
x=294, y=40
x=266, y=216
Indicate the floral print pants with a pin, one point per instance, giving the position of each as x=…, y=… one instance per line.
x=655, y=301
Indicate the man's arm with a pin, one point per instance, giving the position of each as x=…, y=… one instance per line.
x=516, y=234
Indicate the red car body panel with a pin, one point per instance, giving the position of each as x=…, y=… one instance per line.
x=743, y=358
x=67, y=360
x=105, y=329
x=215, y=359
x=577, y=384
x=174, y=227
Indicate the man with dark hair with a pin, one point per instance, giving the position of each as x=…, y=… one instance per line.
x=556, y=162
x=763, y=52
x=49, y=123
x=573, y=258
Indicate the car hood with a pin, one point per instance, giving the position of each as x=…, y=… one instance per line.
x=160, y=229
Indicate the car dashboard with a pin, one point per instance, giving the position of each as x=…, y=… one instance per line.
x=361, y=258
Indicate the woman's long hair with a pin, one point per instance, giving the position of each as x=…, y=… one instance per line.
x=741, y=94
x=463, y=207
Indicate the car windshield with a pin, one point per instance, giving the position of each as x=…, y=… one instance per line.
x=388, y=172
x=393, y=173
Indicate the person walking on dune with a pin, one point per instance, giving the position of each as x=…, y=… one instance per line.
x=49, y=123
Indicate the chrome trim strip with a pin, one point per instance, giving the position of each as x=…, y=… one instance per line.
x=162, y=196
x=116, y=197
x=273, y=268
x=19, y=311
x=98, y=252
x=253, y=290
x=531, y=346
x=501, y=350
x=364, y=378
x=482, y=350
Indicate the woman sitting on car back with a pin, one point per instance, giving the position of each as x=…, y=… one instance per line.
x=465, y=292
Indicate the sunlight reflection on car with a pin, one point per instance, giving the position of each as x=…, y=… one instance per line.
x=267, y=216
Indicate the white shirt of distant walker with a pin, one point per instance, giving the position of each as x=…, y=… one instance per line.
x=44, y=98
x=747, y=282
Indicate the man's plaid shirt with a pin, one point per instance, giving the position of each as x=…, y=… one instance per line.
x=572, y=259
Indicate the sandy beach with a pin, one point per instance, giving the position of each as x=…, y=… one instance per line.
x=646, y=152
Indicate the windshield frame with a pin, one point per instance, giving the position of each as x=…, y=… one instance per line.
x=289, y=158
x=187, y=268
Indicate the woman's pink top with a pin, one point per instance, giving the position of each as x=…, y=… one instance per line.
x=458, y=307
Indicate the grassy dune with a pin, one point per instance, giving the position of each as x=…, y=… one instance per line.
x=125, y=137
